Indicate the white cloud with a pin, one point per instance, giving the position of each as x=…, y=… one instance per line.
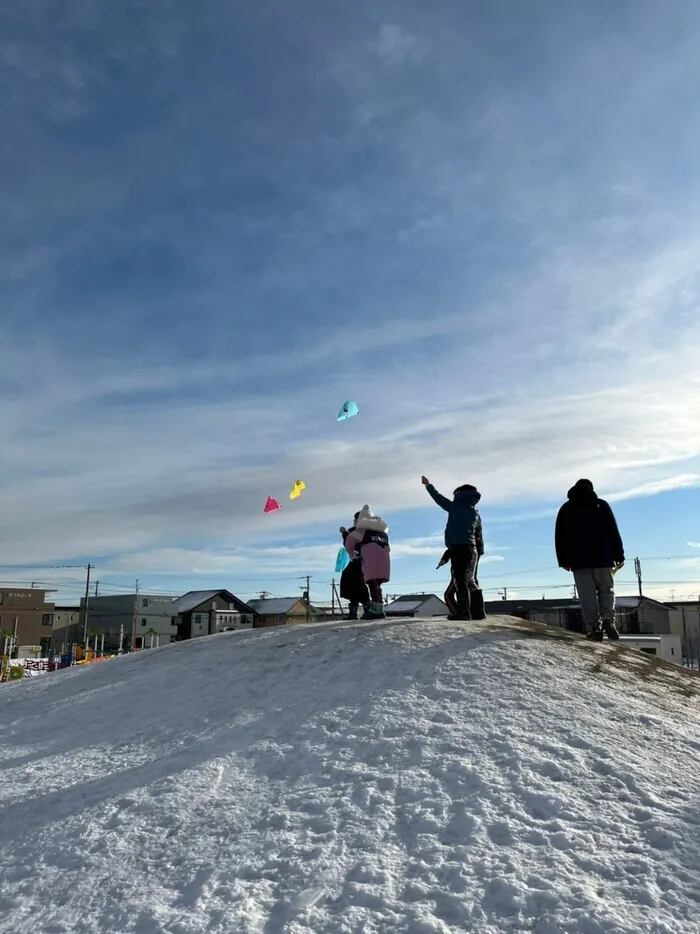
x=395, y=45
x=654, y=487
x=693, y=544
x=124, y=479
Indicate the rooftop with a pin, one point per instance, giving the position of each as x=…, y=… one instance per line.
x=273, y=606
x=194, y=598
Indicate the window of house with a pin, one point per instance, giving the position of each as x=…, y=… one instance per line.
x=231, y=606
x=144, y=602
x=173, y=620
x=47, y=619
x=198, y=619
x=649, y=651
x=144, y=621
x=214, y=604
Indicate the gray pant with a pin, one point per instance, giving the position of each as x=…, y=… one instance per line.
x=596, y=594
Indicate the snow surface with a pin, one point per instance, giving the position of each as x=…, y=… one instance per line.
x=409, y=776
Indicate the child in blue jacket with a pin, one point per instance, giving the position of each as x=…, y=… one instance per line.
x=464, y=540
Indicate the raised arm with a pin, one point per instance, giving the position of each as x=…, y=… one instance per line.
x=441, y=500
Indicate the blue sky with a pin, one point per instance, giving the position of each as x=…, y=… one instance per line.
x=219, y=221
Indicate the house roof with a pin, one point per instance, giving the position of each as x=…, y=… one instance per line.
x=194, y=598
x=633, y=602
x=418, y=598
x=405, y=606
x=273, y=606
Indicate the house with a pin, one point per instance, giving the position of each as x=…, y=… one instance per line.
x=685, y=622
x=555, y=612
x=418, y=605
x=26, y=616
x=278, y=611
x=205, y=612
x=634, y=615
x=66, y=627
x=125, y=619
x=637, y=615
x=326, y=612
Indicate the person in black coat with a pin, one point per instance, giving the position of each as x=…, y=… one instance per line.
x=588, y=542
x=352, y=583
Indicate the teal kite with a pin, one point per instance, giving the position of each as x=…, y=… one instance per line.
x=348, y=410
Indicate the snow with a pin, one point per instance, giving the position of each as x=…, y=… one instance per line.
x=408, y=776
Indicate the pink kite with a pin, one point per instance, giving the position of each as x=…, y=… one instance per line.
x=271, y=505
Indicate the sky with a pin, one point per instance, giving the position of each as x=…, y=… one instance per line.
x=221, y=221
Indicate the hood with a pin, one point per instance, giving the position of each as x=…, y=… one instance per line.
x=582, y=492
x=467, y=494
x=369, y=522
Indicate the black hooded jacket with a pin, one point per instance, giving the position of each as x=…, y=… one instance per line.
x=586, y=533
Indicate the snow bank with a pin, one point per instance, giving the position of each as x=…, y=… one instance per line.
x=408, y=776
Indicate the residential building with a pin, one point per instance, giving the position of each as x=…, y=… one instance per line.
x=205, y=612
x=279, y=611
x=685, y=622
x=125, y=619
x=558, y=612
x=634, y=615
x=637, y=615
x=418, y=605
x=66, y=627
x=26, y=615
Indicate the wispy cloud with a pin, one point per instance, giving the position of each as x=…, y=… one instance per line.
x=395, y=45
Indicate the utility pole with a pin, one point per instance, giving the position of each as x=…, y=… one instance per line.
x=337, y=597
x=333, y=598
x=134, y=618
x=638, y=572
x=505, y=593
x=308, y=598
x=87, y=604
x=97, y=585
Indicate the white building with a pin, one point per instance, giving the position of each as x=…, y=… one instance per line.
x=419, y=605
x=667, y=647
x=685, y=622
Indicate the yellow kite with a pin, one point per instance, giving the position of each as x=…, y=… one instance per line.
x=297, y=489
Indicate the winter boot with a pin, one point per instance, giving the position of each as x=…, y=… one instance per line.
x=610, y=629
x=366, y=607
x=463, y=610
x=596, y=632
x=375, y=611
x=476, y=603
x=352, y=610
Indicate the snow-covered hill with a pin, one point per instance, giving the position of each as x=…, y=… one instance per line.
x=397, y=776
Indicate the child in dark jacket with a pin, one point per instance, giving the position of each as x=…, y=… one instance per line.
x=477, y=598
x=352, y=584
x=464, y=541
